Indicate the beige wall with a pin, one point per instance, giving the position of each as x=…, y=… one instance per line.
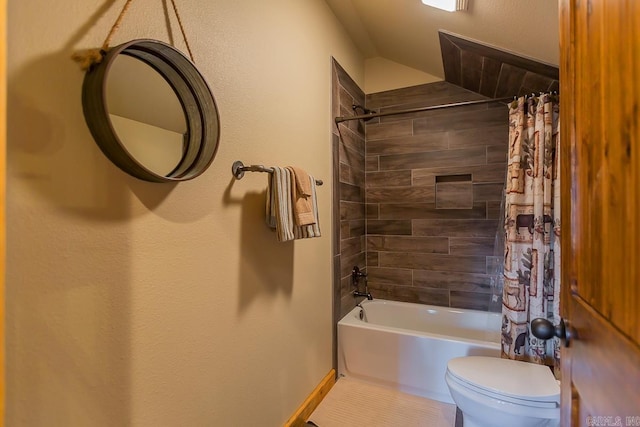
x=382, y=74
x=133, y=303
x=3, y=141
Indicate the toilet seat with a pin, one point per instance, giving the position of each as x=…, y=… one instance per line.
x=520, y=383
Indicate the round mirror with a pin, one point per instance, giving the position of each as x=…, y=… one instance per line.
x=146, y=114
x=151, y=112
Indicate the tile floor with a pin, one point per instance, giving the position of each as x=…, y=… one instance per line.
x=354, y=403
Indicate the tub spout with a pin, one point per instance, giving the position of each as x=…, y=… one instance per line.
x=357, y=294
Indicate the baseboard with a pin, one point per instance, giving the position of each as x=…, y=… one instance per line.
x=300, y=417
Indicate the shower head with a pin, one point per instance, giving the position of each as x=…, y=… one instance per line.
x=355, y=107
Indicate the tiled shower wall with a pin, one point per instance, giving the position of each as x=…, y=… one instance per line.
x=433, y=189
x=349, y=245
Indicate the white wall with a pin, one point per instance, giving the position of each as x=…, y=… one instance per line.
x=142, y=304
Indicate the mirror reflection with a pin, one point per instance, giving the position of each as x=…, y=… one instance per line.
x=146, y=114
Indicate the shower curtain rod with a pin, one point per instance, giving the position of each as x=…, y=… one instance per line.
x=420, y=109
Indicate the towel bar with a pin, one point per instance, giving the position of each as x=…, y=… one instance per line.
x=238, y=169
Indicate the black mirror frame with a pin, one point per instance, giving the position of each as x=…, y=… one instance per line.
x=198, y=104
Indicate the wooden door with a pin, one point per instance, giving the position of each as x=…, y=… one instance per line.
x=600, y=138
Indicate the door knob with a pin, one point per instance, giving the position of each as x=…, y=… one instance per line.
x=544, y=329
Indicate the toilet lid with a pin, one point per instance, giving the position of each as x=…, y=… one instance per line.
x=512, y=378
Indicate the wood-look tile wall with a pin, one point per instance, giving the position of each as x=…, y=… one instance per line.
x=493, y=72
x=433, y=189
x=349, y=247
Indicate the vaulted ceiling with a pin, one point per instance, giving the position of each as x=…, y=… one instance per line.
x=406, y=31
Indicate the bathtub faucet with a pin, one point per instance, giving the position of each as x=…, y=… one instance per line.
x=357, y=294
x=356, y=274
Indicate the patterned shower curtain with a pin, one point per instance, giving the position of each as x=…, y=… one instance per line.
x=532, y=229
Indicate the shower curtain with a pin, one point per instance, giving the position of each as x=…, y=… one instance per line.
x=531, y=287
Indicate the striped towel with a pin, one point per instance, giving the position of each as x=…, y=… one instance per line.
x=280, y=207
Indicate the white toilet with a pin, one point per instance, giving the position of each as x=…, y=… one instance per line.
x=494, y=392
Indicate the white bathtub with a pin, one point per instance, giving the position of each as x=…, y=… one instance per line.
x=407, y=346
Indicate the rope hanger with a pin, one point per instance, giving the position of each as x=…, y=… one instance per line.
x=91, y=57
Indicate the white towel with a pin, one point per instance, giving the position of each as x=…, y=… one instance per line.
x=279, y=206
